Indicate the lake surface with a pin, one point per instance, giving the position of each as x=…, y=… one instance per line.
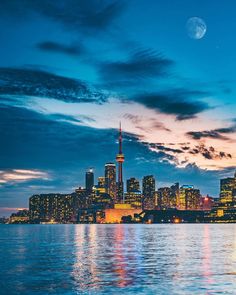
x=118, y=259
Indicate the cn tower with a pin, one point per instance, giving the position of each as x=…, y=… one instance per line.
x=120, y=159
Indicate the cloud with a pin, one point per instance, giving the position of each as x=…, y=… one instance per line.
x=45, y=143
x=144, y=123
x=167, y=149
x=39, y=83
x=21, y=175
x=206, y=134
x=55, y=47
x=209, y=152
x=79, y=15
x=161, y=147
x=177, y=102
x=48, y=141
x=180, y=157
x=215, y=133
x=140, y=65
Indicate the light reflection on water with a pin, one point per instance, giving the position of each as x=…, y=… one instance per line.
x=110, y=259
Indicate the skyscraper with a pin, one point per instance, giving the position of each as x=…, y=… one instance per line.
x=164, y=197
x=174, y=195
x=148, y=186
x=120, y=159
x=189, y=198
x=148, y=192
x=227, y=189
x=132, y=185
x=89, y=180
x=110, y=180
x=133, y=195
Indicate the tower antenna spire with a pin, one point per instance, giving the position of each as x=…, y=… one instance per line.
x=120, y=140
x=120, y=159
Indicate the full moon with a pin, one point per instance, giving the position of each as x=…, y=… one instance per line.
x=196, y=28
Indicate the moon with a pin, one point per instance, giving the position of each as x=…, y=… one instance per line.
x=196, y=27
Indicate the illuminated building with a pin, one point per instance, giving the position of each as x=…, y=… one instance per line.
x=115, y=215
x=167, y=197
x=89, y=180
x=172, y=216
x=227, y=189
x=207, y=203
x=134, y=198
x=22, y=216
x=174, y=191
x=164, y=198
x=189, y=198
x=110, y=180
x=120, y=160
x=101, y=182
x=57, y=207
x=132, y=185
x=90, y=215
x=222, y=213
x=100, y=187
x=148, y=192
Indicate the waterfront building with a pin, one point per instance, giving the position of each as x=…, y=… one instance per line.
x=134, y=198
x=58, y=207
x=172, y=216
x=120, y=210
x=21, y=216
x=222, y=213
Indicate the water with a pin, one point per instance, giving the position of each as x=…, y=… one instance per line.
x=118, y=259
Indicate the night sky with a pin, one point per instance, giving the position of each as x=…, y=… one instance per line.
x=71, y=70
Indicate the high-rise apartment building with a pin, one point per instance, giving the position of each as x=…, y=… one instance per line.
x=110, y=180
x=148, y=192
x=189, y=198
x=89, y=180
x=228, y=189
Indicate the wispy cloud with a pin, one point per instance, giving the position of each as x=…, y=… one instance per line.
x=209, y=153
x=179, y=102
x=55, y=47
x=21, y=175
x=33, y=82
x=145, y=124
x=77, y=15
x=215, y=133
x=140, y=65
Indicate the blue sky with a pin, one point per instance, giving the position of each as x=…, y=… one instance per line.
x=71, y=70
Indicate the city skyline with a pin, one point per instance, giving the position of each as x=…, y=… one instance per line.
x=107, y=201
x=71, y=71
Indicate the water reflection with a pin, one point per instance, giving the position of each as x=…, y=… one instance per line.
x=109, y=259
x=207, y=256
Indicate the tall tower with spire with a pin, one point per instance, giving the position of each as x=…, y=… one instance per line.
x=120, y=159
